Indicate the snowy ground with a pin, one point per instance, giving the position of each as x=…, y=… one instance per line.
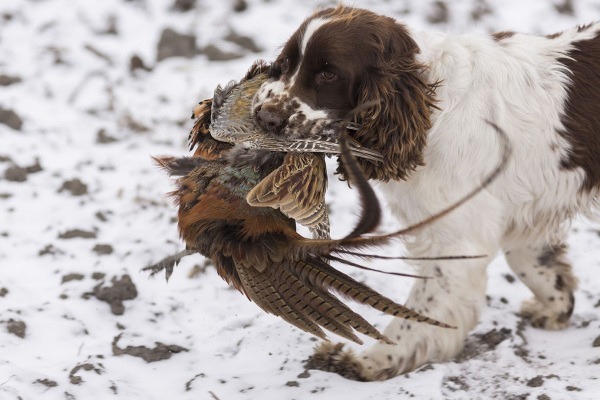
x=84, y=103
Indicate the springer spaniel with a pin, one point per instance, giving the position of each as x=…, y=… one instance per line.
x=427, y=97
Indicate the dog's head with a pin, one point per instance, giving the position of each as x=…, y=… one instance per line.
x=338, y=60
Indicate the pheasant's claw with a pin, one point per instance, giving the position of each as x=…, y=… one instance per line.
x=168, y=263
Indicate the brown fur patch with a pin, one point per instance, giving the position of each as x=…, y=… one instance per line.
x=397, y=122
x=498, y=36
x=581, y=118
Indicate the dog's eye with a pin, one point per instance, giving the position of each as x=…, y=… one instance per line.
x=285, y=65
x=327, y=76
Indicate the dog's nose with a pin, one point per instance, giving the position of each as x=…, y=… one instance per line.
x=269, y=120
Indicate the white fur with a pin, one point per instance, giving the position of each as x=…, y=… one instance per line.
x=519, y=84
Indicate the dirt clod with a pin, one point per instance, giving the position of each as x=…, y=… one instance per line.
x=3, y=292
x=213, y=53
x=74, y=186
x=47, y=382
x=174, y=44
x=184, y=5
x=103, y=249
x=72, y=277
x=439, y=13
x=159, y=352
x=77, y=234
x=10, y=118
x=104, y=138
x=536, y=381
x=76, y=379
x=17, y=328
x=596, y=342
x=7, y=80
x=121, y=289
x=14, y=173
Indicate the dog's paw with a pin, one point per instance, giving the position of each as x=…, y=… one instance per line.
x=547, y=316
x=330, y=357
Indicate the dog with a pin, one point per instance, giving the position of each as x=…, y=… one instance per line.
x=427, y=97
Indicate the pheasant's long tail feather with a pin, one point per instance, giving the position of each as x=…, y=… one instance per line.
x=261, y=290
x=322, y=275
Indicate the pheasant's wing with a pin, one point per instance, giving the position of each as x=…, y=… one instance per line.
x=297, y=188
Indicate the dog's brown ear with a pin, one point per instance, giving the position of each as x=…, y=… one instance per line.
x=396, y=124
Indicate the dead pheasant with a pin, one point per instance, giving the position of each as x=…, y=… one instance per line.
x=298, y=186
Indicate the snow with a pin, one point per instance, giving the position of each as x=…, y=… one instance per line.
x=75, y=81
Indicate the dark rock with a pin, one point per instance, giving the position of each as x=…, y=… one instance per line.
x=17, y=328
x=136, y=63
x=213, y=53
x=240, y=5
x=543, y=397
x=573, y=389
x=14, y=173
x=157, y=353
x=565, y=8
x=72, y=277
x=7, y=80
x=173, y=44
x=3, y=292
x=134, y=125
x=35, y=167
x=596, y=342
x=75, y=187
x=49, y=249
x=103, y=138
x=536, y=381
x=122, y=289
x=439, y=13
x=10, y=118
x=76, y=379
x=304, y=375
x=292, y=384
x=101, y=216
x=243, y=41
x=47, y=382
x=184, y=5
x=461, y=385
x=103, y=249
x=480, y=10
x=98, y=275
x=77, y=234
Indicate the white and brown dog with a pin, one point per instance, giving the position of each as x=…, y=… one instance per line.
x=432, y=94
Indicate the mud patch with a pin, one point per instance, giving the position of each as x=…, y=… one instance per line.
x=480, y=343
x=47, y=382
x=72, y=277
x=103, y=249
x=121, y=289
x=17, y=328
x=75, y=379
x=77, y=234
x=74, y=186
x=159, y=352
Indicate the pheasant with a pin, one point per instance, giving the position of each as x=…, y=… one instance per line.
x=221, y=193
